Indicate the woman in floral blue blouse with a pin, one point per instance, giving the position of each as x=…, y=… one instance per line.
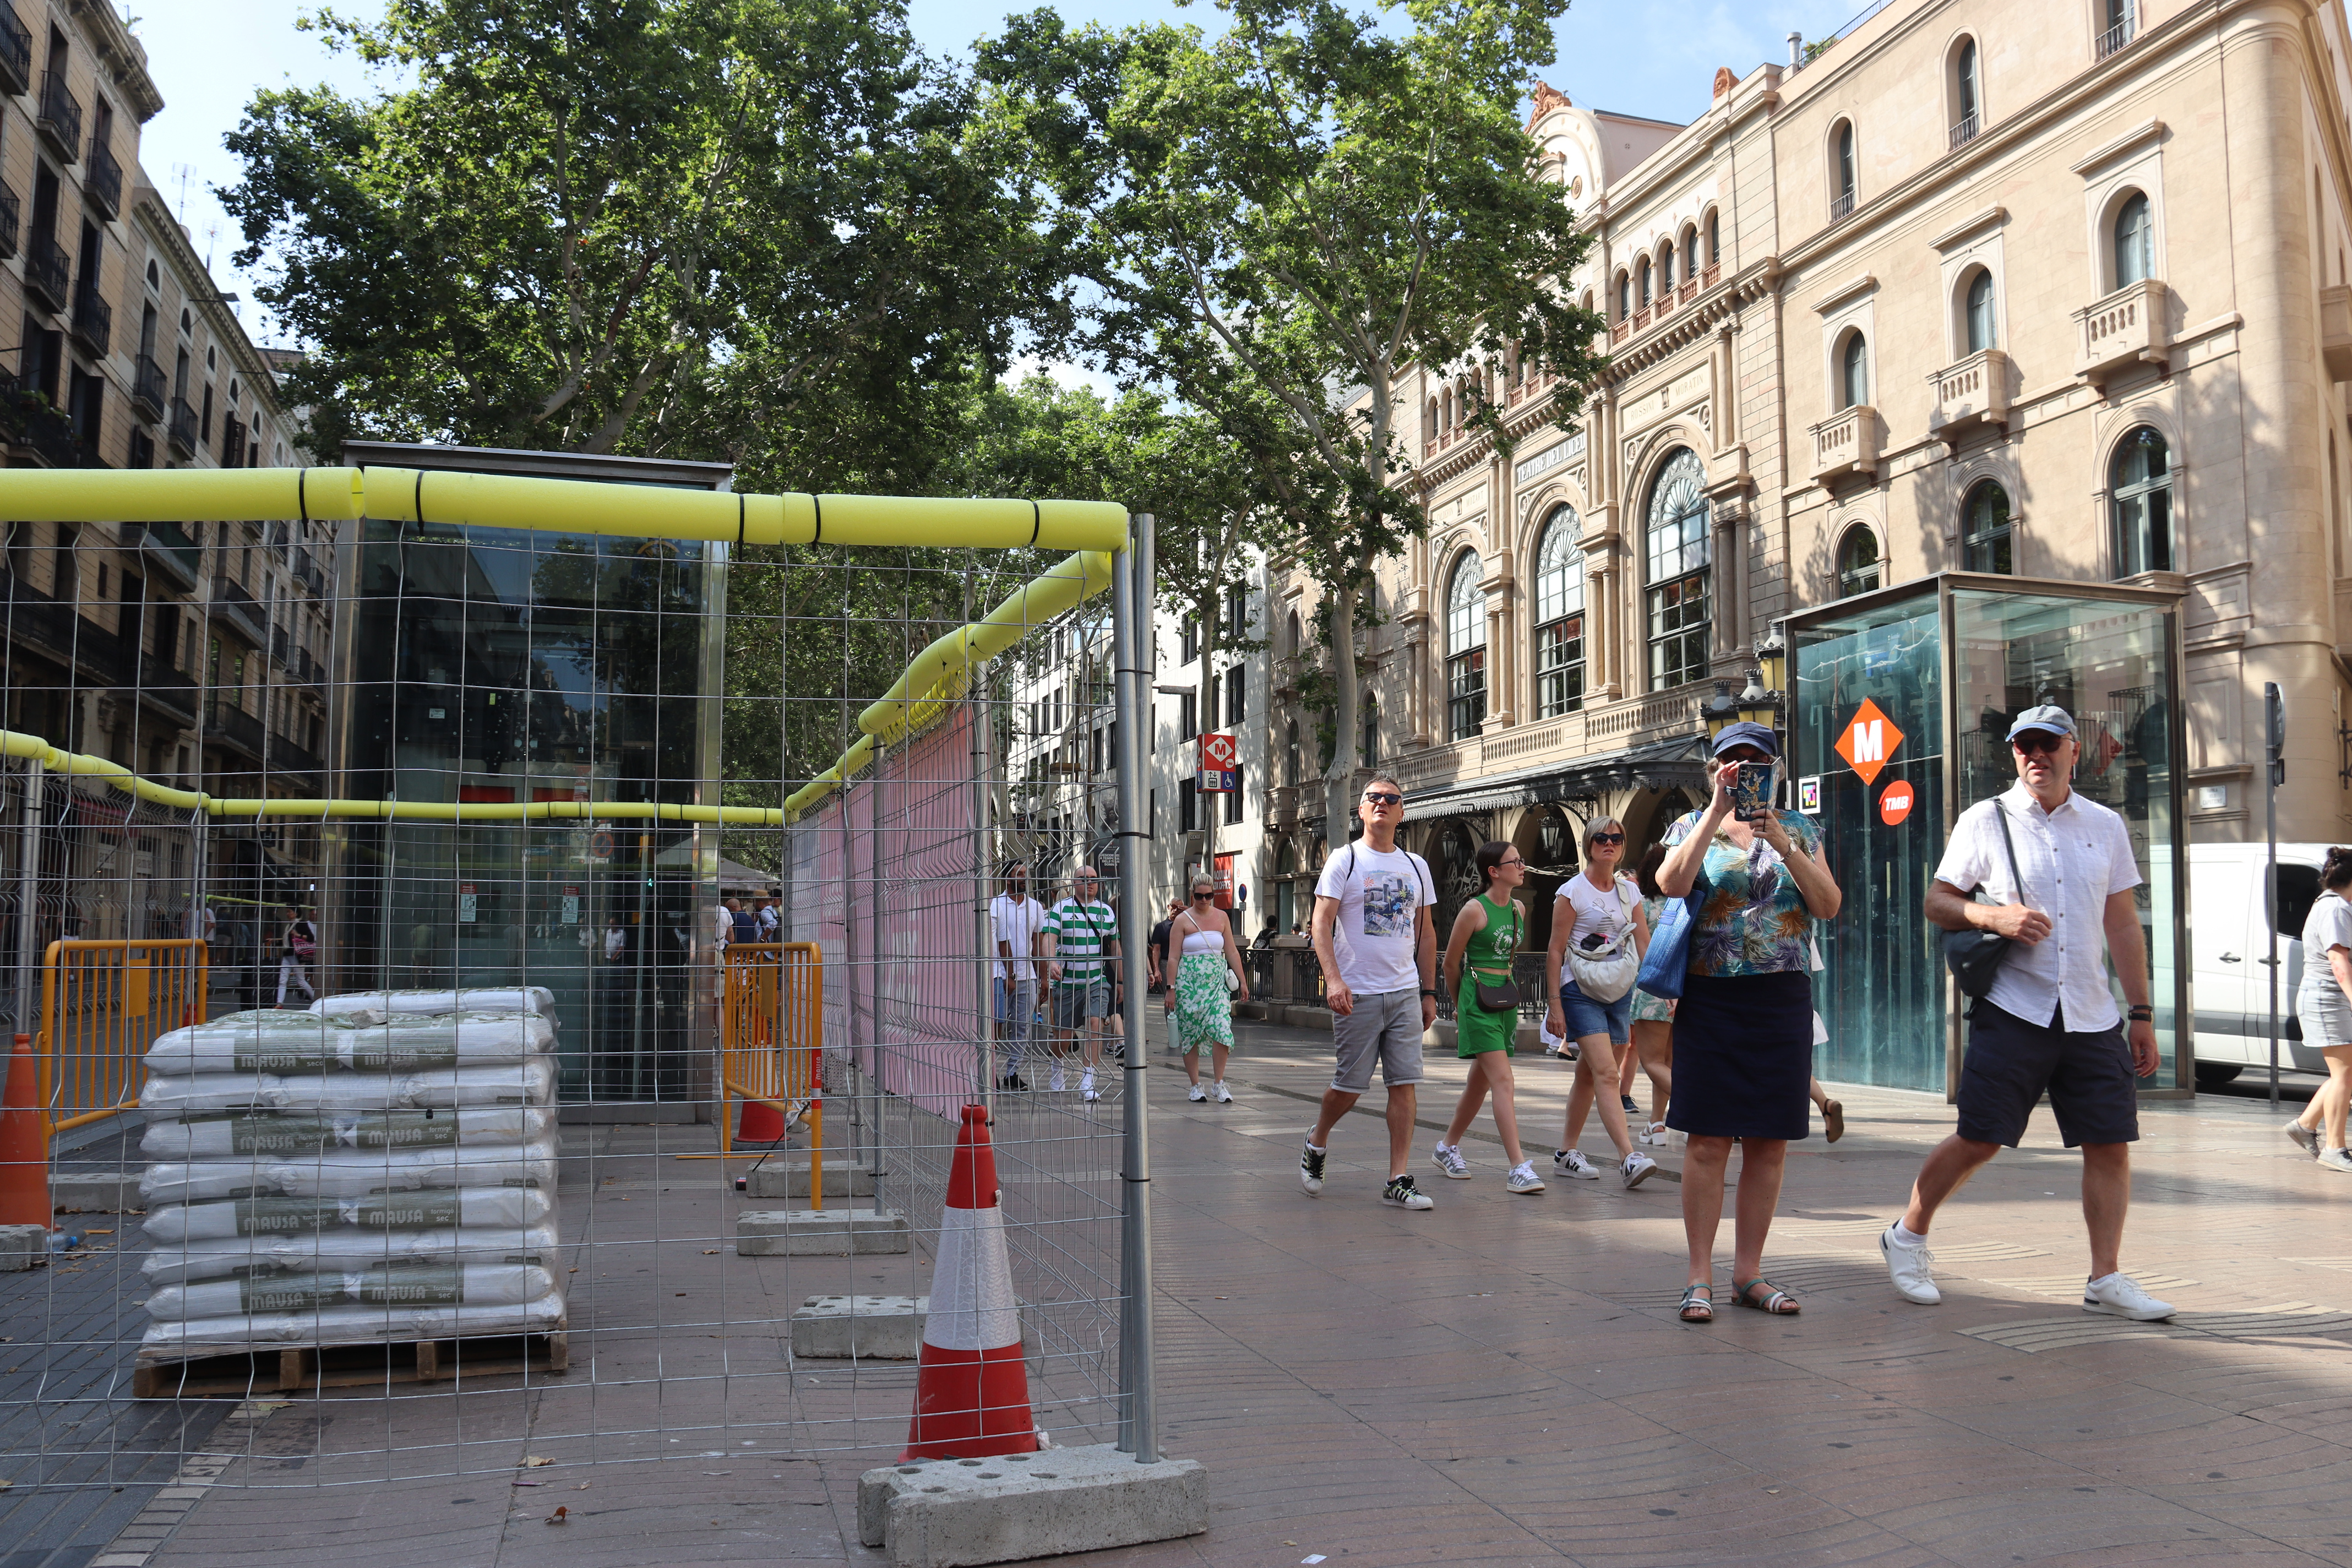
x=1744, y=1030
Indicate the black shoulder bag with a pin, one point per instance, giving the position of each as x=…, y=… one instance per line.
x=1974, y=955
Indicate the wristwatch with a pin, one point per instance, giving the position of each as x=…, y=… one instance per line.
x=1425, y=991
x=2141, y=1013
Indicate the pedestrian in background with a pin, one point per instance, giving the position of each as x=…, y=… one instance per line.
x=2059, y=871
x=1597, y=937
x=1744, y=1027
x=1377, y=945
x=1079, y=932
x=1015, y=921
x=1478, y=958
x=2327, y=1015
x=301, y=947
x=1653, y=1017
x=1206, y=975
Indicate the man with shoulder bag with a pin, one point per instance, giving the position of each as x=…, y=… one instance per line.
x=2059, y=873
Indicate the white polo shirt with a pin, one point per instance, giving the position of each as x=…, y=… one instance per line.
x=1016, y=925
x=2071, y=859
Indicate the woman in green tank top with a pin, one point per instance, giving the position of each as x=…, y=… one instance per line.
x=1485, y=937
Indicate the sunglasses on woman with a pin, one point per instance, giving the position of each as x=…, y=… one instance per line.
x=1609, y=838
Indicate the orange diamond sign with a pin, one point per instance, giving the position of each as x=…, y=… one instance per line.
x=1869, y=741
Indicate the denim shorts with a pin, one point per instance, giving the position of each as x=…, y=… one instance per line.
x=1587, y=1017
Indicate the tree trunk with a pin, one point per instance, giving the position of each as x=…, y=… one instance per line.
x=1339, y=803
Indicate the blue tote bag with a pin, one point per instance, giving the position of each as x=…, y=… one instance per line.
x=1666, y=962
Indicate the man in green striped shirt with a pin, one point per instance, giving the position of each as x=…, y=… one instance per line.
x=1081, y=944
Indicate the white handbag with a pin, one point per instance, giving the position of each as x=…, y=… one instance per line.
x=1608, y=974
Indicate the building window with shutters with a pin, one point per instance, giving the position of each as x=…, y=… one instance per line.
x=1676, y=597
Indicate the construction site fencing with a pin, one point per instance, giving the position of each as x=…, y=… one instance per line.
x=712, y=1276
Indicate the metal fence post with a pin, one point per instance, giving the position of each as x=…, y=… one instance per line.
x=983, y=947
x=1130, y=620
x=28, y=897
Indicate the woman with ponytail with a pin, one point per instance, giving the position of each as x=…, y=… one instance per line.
x=2325, y=1005
x=1478, y=959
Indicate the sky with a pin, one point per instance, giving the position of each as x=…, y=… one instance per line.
x=1635, y=56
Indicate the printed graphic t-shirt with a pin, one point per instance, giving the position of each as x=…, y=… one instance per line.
x=1380, y=898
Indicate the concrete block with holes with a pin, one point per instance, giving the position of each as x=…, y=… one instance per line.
x=787, y=1176
x=941, y=1513
x=879, y=1327
x=819, y=1233
x=102, y=1193
x=22, y=1246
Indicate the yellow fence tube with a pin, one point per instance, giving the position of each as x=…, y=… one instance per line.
x=561, y=506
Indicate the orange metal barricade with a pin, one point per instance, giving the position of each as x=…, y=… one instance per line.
x=770, y=1024
x=102, y=1004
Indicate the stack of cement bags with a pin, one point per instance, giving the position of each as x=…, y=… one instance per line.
x=375, y=1170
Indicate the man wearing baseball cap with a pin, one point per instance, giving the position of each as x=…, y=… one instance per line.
x=2049, y=1022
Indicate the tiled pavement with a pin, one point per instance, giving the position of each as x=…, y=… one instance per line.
x=1500, y=1381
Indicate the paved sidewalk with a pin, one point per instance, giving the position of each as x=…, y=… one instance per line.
x=1503, y=1381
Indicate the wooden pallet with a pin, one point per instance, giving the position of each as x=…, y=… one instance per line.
x=226, y=1371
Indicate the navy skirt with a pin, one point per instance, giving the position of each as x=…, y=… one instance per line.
x=1744, y=1056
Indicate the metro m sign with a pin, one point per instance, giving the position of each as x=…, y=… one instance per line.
x=1869, y=741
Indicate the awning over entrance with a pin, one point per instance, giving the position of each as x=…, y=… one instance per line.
x=1661, y=764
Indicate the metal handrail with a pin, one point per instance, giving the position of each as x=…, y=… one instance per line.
x=2117, y=36
x=1964, y=132
x=103, y=178
x=60, y=114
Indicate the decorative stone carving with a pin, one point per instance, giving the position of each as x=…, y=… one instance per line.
x=1724, y=80
x=1547, y=99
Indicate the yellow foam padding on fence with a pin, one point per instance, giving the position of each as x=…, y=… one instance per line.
x=559, y=505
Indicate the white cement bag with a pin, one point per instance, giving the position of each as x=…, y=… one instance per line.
x=525, y=1083
x=221, y=1134
x=383, y=1285
x=408, y=1043
x=468, y=1209
x=487, y=998
x=358, y=1325
x=351, y=1174
x=328, y=1251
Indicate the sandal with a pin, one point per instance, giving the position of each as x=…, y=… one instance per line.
x=1698, y=1304
x=1833, y=1118
x=1777, y=1301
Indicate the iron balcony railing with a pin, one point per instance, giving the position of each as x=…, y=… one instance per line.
x=61, y=116
x=2117, y=36
x=49, y=271
x=148, y=391
x=102, y=181
x=237, y=726
x=184, y=428
x=16, y=50
x=1964, y=133
x=1841, y=205
x=93, y=318
x=9, y=210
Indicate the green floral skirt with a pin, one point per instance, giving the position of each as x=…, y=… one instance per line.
x=1204, y=1009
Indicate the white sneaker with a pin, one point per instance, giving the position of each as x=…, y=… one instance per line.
x=1055, y=1085
x=1655, y=1135
x=2119, y=1296
x=1450, y=1161
x=1311, y=1169
x=1912, y=1267
x=1572, y=1162
x=1220, y=1094
x=2336, y=1159
x=1197, y=1094
x=1524, y=1178
x=1086, y=1086
x=1637, y=1168
x=2306, y=1139
x=1403, y=1195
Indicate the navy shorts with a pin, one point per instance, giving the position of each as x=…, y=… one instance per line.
x=2010, y=1064
x=1587, y=1017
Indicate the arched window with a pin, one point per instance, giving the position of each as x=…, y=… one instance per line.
x=1842, y=170
x=1290, y=756
x=1690, y=254
x=1714, y=239
x=1967, y=97
x=1642, y=273
x=1979, y=312
x=1368, y=736
x=1429, y=422
x=1857, y=561
x=1677, y=598
x=1293, y=636
x=2139, y=483
x=2134, y=241
x=1445, y=412
x=1625, y=298
x=1666, y=272
x=1853, y=371
x=1465, y=650
x=1986, y=542
x=1559, y=616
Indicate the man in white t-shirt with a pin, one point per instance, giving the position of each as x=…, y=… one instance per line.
x=1377, y=944
x=1015, y=920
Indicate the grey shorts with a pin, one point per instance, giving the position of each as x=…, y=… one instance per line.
x=2326, y=1019
x=1075, y=1002
x=1385, y=1025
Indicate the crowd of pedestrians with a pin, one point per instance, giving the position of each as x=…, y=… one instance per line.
x=1696, y=971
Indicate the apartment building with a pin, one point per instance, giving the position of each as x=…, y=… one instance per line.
x=2048, y=292
x=1221, y=690
x=191, y=654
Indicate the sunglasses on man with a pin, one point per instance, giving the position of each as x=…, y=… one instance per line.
x=2036, y=741
x=1382, y=797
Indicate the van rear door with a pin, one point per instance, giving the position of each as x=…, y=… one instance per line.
x=2224, y=917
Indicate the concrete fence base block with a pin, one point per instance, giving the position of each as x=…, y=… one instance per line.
x=102, y=1194
x=939, y=1514
x=825, y=1233
x=22, y=1246
x=879, y=1327
x=787, y=1176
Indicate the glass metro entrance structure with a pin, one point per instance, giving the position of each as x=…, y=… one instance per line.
x=1921, y=681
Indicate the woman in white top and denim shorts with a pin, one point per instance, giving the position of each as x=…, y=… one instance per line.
x=2326, y=1014
x=1596, y=902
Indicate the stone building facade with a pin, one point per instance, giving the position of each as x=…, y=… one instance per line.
x=1982, y=284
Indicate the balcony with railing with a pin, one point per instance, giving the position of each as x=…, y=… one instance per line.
x=10, y=213
x=93, y=318
x=234, y=605
x=233, y=726
x=35, y=428
x=2115, y=39
x=1974, y=391
x=102, y=181
x=16, y=50
x=60, y=117
x=1620, y=329
x=1848, y=444
x=165, y=688
x=169, y=547
x=150, y=393
x=2126, y=329
x=1964, y=133
x=1282, y=808
x=184, y=428
x=232, y=442
x=1841, y=205
x=49, y=271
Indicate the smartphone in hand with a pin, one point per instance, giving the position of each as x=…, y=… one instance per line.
x=1751, y=792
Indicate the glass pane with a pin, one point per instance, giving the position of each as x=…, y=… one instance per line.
x=1559, y=666
x=1881, y=993
x=2109, y=665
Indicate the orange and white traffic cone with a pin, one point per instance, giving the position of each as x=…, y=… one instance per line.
x=971, y=1385
x=24, y=1153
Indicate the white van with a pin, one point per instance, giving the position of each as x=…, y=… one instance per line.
x=2228, y=944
